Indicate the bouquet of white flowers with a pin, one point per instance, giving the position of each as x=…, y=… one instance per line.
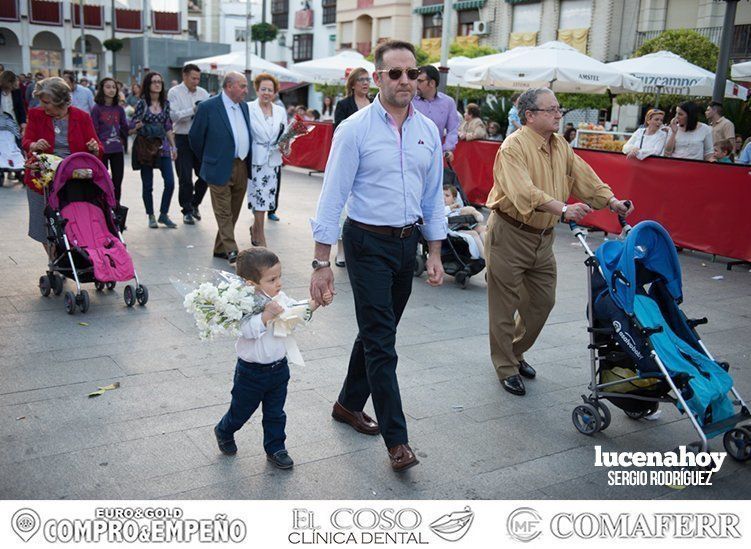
x=219, y=306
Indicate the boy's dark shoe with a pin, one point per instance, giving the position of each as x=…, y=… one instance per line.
x=226, y=445
x=281, y=459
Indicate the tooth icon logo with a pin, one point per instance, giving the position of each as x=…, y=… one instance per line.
x=25, y=523
x=454, y=526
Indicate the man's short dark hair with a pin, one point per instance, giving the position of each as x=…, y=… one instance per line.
x=388, y=46
x=253, y=262
x=528, y=101
x=717, y=106
x=432, y=73
x=190, y=67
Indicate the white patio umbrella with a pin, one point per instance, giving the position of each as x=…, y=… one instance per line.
x=664, y=72
x=333, y=70
x=741, y=71
x=459, y=65
x=555, y=65
x=455, y=81
x=235, y=61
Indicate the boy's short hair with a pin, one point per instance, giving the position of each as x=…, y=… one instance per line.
x=451, y=189
x=253, y=262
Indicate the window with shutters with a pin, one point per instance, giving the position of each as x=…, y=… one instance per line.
x=302, y=47
x=329, y=11
x=280, y=13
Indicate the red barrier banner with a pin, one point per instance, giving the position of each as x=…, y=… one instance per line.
x=701, y=204
x=473, y=164
x=312, y=149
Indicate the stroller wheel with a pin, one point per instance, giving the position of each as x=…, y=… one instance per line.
x=129, y=296
x=99, y=286
x=83, y=301
x=462, y=279
x=586, y=419
x=45, y=287
x=142, y=294
x=604, y=411
x=737, y=443
x=57, y=284
x=419, y=265
x=111, y=285
x=70, y=302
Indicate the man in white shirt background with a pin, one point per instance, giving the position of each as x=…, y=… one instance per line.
x=80, y=96
x=184, y=100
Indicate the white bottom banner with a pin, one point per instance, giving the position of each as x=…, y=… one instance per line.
x=476, y=524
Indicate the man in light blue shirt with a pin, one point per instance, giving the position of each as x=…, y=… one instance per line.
x=80, y=96
x=386, y=165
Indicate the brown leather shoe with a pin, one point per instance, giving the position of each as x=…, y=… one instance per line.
x=402, y=457
x=359, y=421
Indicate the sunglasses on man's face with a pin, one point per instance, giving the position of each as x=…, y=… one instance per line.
x=396, y=74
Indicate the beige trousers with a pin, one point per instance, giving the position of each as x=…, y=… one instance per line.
x=227, y=202
x=521, y=291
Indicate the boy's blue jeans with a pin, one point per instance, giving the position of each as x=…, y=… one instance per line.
x=256, y=384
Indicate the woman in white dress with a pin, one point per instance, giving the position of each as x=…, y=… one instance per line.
x=650, y=139
x=268, y=122
x=689, y=138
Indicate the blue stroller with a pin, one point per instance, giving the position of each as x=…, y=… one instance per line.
x=643, y=349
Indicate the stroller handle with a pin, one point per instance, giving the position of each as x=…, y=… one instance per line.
x=621, y=219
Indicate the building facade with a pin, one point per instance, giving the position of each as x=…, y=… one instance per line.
x=45, y=36
x=363, y=24
x=307, y=30
x=607, y=30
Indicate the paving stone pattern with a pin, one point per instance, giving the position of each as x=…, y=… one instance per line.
x=152, y=437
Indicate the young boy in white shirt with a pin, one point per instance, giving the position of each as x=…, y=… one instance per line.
x=262, y=372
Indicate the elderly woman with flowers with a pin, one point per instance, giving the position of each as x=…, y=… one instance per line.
x=55, y=127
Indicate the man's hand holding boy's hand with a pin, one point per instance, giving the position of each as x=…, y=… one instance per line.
x=328, y=297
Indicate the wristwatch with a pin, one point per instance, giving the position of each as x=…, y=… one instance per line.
x=563, y=213
x=320, y=264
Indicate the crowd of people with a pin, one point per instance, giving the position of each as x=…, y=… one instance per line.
x=65, y=115
x=688, y=138
x=376, y=211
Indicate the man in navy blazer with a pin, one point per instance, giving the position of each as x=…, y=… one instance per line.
x=221, y=138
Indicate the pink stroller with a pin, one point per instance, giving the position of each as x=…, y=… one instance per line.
x=86, y=234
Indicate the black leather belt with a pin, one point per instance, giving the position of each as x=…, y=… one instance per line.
x=396, y=232
x=523, y=226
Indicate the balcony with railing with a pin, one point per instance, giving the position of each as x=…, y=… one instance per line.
x=741, y=44
x=93, y=16
x=43, y=12
x=9, y=10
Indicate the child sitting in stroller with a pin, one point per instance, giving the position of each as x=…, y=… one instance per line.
x=474, y=231
x=11, y=157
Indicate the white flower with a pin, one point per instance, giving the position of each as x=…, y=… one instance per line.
x=219, y=309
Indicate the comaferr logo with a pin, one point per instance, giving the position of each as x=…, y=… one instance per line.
x=627, y=339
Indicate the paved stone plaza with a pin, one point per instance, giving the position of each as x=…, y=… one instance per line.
x=152, y=437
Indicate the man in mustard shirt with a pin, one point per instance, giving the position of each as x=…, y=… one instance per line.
x=534, y=174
